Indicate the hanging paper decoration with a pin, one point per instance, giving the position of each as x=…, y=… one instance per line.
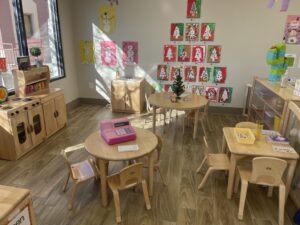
x=193, y=8
x=198, y=53
x=214, y=54
x=284, y=5
x=175, y=70
x=190, y=73
x=177, y=30
x=207, y=31
x=211, y=93
x=204, y=74
x=200, y=90
x=130, y=53
x=219, y=75
x=162, y=72
x=3, y=67
x=192, y=32
x=184, y=53
x=170, y=53
x=292, y=30
x=107, y=18
x=225, y=95
x=108, y=53
x=86, y=52
x=167, y=88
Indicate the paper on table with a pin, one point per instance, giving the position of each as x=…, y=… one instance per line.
x=128, y=148
x=279, y=148
x=269, y=132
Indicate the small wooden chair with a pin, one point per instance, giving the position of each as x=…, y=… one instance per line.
x=265, y=171
x=157, y=160
x=247, y=124
x=128, y=177
x=159, y=111
x=79, y=172
x=217, y=161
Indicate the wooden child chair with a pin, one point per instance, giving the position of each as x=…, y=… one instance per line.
x=217, y=161
x=265, y=171
x=159, y=111
x=79, y=172
x=128, y=177
x=157, y=160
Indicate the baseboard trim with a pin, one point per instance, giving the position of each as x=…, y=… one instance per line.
x=93, y=101
x=225, y=110
x=73, y=104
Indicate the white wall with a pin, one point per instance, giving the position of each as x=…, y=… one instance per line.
x=69, y=84
x=245, y=29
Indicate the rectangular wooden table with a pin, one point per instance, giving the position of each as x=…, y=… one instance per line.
x=260, y=148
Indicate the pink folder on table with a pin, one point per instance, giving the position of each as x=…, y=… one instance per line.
x=116, y=131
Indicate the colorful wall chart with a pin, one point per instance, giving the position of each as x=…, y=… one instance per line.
x=204, y=74
x=86, y=52
x=130, y=53
x=214, y=54
x=219, y=75
x=192, y=32
x=292, y=30
x=184, y=53
x=207, y=31
x=108, y=53
x=177, y=31
x=198, y=53
x=107, y=18
x=170, y=53
x=162, y=72
x=193, y=9
x=225, y=95
x=190, y=73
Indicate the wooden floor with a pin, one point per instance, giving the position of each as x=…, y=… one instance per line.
x=43, y=171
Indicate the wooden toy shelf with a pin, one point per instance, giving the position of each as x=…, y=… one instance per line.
x=268, y=103
x=31, y=82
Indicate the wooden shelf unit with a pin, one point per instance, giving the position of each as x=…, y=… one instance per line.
x=16, y=206
x=32, y=82
x=268, y=98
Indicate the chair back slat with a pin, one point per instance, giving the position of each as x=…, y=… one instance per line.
x=249, y=125
x=267, y=170
x=131, y=175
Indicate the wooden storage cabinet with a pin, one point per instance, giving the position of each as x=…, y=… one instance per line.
x=54, y=109
x=269, y=103
x=128, y=95
x=16, y=206
x=34, y=81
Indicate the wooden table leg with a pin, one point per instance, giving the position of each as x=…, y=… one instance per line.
x=289, y=176
x=224, y=144
x=231, y=175
x=196, y=123
x=103, y=166
x=151, y=173
x=154, y=119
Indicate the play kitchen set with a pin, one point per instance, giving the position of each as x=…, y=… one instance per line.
x=33, y=115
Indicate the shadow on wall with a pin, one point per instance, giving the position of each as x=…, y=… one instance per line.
x=105, y=74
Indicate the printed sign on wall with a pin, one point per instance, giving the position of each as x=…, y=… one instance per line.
x=130, y=53
x=225, y=94
x=207, y=31
x=211, y=93
x=204, y=74
x=175, y=71
x=162, y=72
x=192, y=32
x=86, y=52
x=184, y=53
x=108, y=53
x=214, y=54
x=193, y=9
x=198, y=53
x=190, y=73
x=107, y=18
x=219, y=74
x=177, y=30
x=292, y=30
x=170, y=53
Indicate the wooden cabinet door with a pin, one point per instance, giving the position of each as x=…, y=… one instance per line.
x=21, y=133
x=49, y=117
x=118, y=93
x=61, y=114
x=133, y=97
x=36, y=123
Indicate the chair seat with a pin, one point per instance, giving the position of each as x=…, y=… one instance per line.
x=83, y=170
x=114, y=181
x=218, y=161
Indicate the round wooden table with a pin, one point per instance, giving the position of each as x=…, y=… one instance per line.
x=96, y=146
x=163, y=100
